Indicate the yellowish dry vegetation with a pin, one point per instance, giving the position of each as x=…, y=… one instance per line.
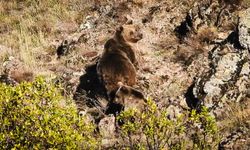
x=238, y=115
x=207, y=34
x=28, y=27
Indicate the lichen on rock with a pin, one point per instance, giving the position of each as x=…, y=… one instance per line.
x=244, y=29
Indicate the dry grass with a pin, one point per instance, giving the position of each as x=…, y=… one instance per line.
x=22, y=75
x=246, y=3
x=207, y=34
x=238, y=115
x=28, y=27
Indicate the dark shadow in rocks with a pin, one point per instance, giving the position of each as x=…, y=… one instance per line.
x=90, y=89
x=233, y=38
x=7, y=80
x=63, y=49
x=185, y=27
x=114, y=108
x=191, y=100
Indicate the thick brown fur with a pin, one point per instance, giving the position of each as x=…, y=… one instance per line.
x=117, y=63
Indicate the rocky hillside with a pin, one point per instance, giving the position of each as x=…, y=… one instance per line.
x=193, y=54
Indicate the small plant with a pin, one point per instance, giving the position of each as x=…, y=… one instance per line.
x=35, y=116
x=205, y=134
x=207, y=34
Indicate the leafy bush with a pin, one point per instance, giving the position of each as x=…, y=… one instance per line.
x=151, y=129
x=35, y=116
x=206, y=132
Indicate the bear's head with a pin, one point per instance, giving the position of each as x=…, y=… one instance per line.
x=129, y=33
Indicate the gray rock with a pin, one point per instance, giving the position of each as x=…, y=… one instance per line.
x=227, y=78
x=107, y=127
x=173, y=112
x=225, y=70
x=244, y=29
x=88, y=23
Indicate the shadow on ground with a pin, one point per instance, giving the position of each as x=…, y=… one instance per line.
x=90, y=90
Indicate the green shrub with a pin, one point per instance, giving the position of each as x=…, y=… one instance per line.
x=35, y=116
x=151, y=129
x=206, y=135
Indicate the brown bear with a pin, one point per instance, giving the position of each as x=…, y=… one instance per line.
x=116, y=66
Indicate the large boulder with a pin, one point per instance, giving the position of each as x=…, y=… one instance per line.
x=228, y=76
x=244, y=29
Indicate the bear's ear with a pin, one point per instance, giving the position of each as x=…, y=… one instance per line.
x=119, y=29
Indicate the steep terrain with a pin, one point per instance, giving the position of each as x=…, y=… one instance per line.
x=192, y=53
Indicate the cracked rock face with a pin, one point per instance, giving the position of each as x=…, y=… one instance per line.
x=228, y=77
x=228, y=81
x=227, y=68
x=244, y=29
